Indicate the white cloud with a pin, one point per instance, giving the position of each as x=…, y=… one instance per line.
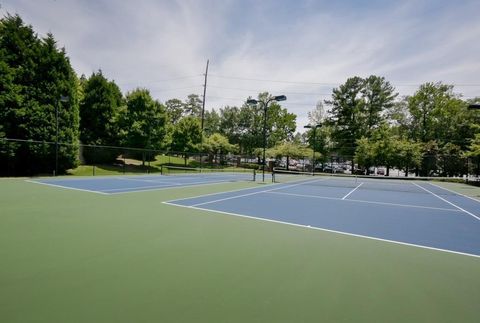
x=142, y=43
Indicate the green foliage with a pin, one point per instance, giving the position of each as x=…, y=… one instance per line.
x=99, y=115
x=436, y=113
x=187, y=136
x=289, y=149
x=365, y=153
x=408, y=155
x=143, y=122
x=35, y=75
x=174, y=109
x=218, y=144
x=193, y=106
x=244, y=126
x=474, y=147
x=321, y=141
x=357, y=108
x=212, y=122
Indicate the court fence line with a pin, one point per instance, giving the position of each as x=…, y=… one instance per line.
x=25, y=157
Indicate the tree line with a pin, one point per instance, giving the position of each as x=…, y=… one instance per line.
x=364, y=120
x=430, y=132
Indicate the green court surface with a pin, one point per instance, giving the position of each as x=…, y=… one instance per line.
x=72, y=256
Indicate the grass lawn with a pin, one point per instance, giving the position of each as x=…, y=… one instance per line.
x=72, y=256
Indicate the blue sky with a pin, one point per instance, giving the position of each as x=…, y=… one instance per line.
x=300, y=48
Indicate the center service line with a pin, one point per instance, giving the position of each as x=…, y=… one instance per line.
x=352, y=191
x=248, y=194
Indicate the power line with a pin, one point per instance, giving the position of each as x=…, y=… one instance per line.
x=257, y=91
x=330, y=83
x=165, y=80
x=244, y=99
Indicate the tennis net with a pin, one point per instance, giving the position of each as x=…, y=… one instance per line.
x=222, y=174
x=398, y=184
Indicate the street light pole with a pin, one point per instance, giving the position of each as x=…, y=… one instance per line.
x=62, y=99
x=265, y=108
x=314, y=142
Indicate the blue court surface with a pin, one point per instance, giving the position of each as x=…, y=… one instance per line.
x=126, y=184
x=419, y=213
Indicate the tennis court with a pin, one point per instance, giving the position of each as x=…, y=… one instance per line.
x=170, y=177
x=199, y=247
x=403, y=211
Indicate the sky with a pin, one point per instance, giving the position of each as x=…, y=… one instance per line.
x=300, y=48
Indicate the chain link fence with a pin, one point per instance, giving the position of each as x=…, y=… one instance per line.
x=42, y=158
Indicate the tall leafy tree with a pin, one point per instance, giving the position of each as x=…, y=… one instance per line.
x=144, y=122
x=358, y=107
x=99, y=116
x=36, y=75
x=187, y=136
x=345, y=115
x=175, y=110
x=438, y=117
x=289, y=150
x=212, y=122
x=193, y=106
x=230, y=124
x=408, y=155
x=379, y=97
x=218, y=145
x=280, y=125
x=438, y=114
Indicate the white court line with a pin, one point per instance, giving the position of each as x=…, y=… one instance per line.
x=327, y=230
x=457, y=193
x=248, y=194
x=140, y=180
x=67, y=187
x=352, y=191
x=469, y=213
x=368, y=202
x=158, y=188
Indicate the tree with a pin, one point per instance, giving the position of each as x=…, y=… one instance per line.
x=175, y=110
x=346, y=106
x=35, y=74
x=193, y=106
x=289, y=150
x=358, y=107
x=474, y=152
x=434, y=108
x=217, y=144
x=384, y=147
x=379, y=96
x=230, y=124
x=143, y=123
x=187, y=136
x=365, y=153
x=322, y=142
x=280, y=125
x=451, y=160
x=318, y=115
x=99, y=117
x=212, y=122
x=408, y=155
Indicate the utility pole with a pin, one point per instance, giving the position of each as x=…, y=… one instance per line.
x=203, y=110
x=204, y=95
